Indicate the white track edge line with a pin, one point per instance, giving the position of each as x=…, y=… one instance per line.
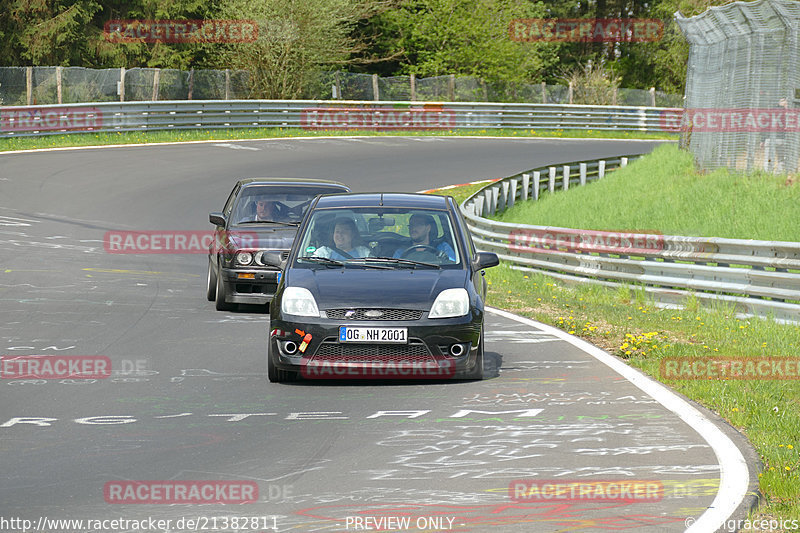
x=734, y=475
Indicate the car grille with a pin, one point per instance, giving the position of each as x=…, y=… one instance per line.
x=415, y=351
x=386, y=314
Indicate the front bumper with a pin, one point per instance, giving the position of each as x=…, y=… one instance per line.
x=250, y=285
x=426, y=355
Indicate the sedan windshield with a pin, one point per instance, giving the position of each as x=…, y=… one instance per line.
x=283, y=205
x=380, y=237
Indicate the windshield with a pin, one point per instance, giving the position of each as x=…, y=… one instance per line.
x=279, y=204
x=391, y=237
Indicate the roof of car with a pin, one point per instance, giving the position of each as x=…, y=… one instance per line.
x=408, y=200
x=292, y=181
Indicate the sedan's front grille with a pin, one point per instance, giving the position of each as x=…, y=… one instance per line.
x=373, y=314
x=415, y=351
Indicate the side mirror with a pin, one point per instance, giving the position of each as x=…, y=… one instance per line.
x=218, y=219
x=484, y=260
x=274, y=259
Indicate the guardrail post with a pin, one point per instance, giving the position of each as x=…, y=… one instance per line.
x=502, y=199
x=512, y=197
x=623, y=162
x=58, y=84
x=652, y=96
x=489, y=201
x=565, y=174
x=601, y=169
x=29, y=84
x=536, y=176
x=583, y=174
x=552, y=180
x=526, y=181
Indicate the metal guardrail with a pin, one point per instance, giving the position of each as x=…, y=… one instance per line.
x=760, y=278
x=318, y=115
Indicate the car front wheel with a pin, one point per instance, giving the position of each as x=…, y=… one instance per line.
x=220, y=303
x=211, y=283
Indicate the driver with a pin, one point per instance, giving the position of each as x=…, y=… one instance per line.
x=266, y=210
x=419, y=229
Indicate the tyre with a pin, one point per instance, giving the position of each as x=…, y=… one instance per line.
x=211, y=283
x=220, y=302
x=276, y=375
x=477, y=373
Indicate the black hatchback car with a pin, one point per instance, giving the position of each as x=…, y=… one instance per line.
x=260, y=219
x=380, y=285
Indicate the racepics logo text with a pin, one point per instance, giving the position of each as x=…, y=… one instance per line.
x=181, y=31
x=50, y=119
x=364, y=118
x=55, y=366
x=180, y=492
x=631, y=491
x=586, y=30
x=564, y=239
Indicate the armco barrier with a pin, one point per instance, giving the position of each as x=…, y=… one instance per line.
x=342, y=115
x=761, y=278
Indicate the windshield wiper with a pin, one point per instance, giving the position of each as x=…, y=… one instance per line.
x=268, y=222
x=323, y=260
x=404, y=262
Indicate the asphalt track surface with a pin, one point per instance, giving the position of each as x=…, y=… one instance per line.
x=188, y=397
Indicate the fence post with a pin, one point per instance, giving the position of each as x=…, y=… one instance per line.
x=536, y=175
x=375, y=94
x=569, y=92
x=451, y=88
x=583, y=173
x=122, y=84
x=338, y=84
x=544, y=92
x=227, y=84
x=29, y=84
x=58, y=84
x=565, y=173
x=156, y=83
x=552, y=184
x=413, y=79
x=601, y=169
x=191, y=83
x=526, y=181
x=652, y=96
x=614, y=96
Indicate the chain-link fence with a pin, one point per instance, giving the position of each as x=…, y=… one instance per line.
x=743, y=86
x=54, y=85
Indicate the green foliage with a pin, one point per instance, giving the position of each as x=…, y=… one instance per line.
x=295, y=41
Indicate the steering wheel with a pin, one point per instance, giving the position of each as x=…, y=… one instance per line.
x=422, y=248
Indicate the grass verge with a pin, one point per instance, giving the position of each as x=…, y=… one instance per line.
x=626, y=323
x=663, y=193
x=166, y=136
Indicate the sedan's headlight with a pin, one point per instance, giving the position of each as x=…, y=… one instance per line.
x=450, y=303
x=299, y=301
x=244, y=258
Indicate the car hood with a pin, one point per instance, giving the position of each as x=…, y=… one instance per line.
x=355, y=287
x=272, y=238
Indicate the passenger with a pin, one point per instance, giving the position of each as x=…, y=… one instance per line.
x=346, y=242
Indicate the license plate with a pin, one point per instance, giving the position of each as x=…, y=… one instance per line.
x=373, y=335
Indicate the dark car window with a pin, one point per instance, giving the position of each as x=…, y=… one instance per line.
x=422, y=235
x=284, y=204
x=229, y=203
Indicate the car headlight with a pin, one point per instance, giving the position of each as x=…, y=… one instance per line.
x=450, y=303
x=244, y=258
x=299, y=301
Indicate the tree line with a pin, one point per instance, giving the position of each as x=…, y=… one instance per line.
x=299, y=38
